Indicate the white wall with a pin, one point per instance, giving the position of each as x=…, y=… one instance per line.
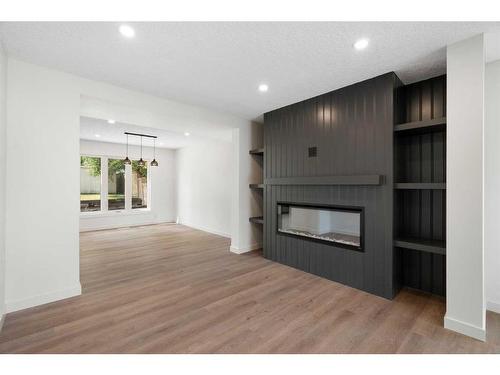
x=43, y=111
x=492, y=186
x=248, y=169
x=465, y=305
x=3, y=124
x=161, y=179
x=42, y=218
x=204, y=186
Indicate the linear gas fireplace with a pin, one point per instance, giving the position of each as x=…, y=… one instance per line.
x=336, y=225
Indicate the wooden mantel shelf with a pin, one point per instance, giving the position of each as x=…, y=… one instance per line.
x=257, y=151
x=374, y=179
x=256, y=219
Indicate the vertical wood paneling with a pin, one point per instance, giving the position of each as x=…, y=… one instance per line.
x=352, y=129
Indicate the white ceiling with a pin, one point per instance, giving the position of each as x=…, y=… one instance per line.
x=220, y=65
x=114, y=133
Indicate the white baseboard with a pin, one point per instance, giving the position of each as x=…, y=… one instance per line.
x=493, y=306
x=465, y=328
x=245, y=249
x=206, y=229
x=24, y=303
x=113, y=226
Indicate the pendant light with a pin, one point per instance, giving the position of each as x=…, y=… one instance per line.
x=154, y=163
x=127, y=160
x=141, y=162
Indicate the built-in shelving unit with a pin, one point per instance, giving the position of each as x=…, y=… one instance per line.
x=257, y=219
x=420, y=185
x=258, y=154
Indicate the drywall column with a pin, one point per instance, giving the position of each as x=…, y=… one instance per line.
x=3, y=144
x=42, y=204
x=492, y=186
x=465, y=306
x=246, y=236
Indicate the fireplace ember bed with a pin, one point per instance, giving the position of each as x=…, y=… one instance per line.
x=339, y=226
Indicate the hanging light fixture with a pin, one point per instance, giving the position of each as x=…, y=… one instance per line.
x=141, y=162
x=127, y=160
x=154, y=163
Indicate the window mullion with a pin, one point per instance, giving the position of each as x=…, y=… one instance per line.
x=149, y=185
x=104, y=183
x=128, y=187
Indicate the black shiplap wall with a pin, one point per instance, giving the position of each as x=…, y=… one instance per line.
x=421, y=157
x=352, y=129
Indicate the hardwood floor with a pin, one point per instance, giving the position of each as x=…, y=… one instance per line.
x=171, y=289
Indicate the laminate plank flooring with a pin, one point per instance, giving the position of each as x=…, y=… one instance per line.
x=171, y=289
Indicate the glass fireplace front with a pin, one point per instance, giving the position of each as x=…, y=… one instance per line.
x=336, y=225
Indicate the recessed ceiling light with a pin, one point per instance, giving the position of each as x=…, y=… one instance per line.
x=263, y=87
x=127, y=31
x=161, y=143
x=361, y=44
x=111, y=121
x=187, y=134
x=97, y=135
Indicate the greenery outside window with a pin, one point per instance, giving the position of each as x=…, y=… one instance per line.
x=108, y=184
x=116, y=184
x=139, y=185
x=90, y=184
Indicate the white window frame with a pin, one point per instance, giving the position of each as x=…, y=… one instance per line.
x=128, y=189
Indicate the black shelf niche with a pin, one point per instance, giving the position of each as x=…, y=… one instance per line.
x=258, y=188
x=420, y=186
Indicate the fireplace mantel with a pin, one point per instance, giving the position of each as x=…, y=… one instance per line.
x=360, y=180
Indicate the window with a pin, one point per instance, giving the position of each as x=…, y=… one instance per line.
x=125, y=188
x=116, y=184
x=90, y=184
x=139, y=185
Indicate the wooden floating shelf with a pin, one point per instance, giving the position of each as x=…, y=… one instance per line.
x=436, y=124
x=327, y=180
x=257, y=219
x=257, y=151
x=421, y=185
x=256, y=186
x=428, y=246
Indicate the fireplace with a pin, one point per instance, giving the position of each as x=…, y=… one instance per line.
x=339, y=226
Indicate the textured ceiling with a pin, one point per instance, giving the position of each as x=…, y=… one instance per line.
x=219, y=65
